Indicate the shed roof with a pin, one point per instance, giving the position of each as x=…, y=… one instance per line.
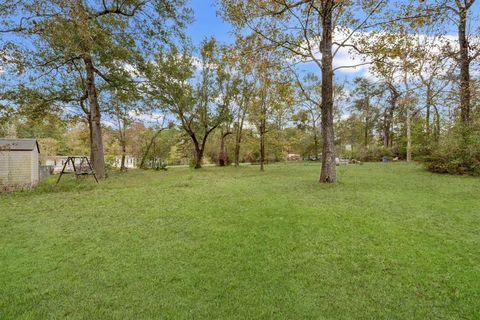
x=19, y=144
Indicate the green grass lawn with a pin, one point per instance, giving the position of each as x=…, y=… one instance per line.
x=387, y=242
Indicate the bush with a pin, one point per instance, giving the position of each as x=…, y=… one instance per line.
x=459, y=154
x=372, y=154
x=454, y=162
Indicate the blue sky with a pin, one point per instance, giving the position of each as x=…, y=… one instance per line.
x=207, y=23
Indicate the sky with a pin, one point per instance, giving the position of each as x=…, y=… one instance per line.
x=208, y=24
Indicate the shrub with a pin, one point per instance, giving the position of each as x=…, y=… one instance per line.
x=372, y=154
x=459, y=154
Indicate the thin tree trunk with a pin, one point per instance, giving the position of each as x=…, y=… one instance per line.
x=366, y=134
x=436, y=131
x=328, y=172
x=409, y=133
x=149, y=146
x=237, y=152
x=407, y=101
x=315, y=143
x=314, y=132
x=428, y=111
x=388, y=117
x=97, y=154
x=238, y=138
x=386, y=129
x=262, y=145
x=367, y=120
x=122, y=164
x=464, y=68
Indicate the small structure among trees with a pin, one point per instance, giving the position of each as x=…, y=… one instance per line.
x=19, y=164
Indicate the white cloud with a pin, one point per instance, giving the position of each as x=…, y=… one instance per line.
x=108, y=123
x=147, y=117
x=350, y=63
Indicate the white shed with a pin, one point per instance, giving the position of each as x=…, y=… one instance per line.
x=19, y=163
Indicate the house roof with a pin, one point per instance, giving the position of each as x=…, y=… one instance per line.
x=18, y=144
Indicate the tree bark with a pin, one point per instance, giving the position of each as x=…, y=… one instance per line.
x=406, y=104
x=149, y=146
x=262, y=144
x=222, y=157
x=436, y=130
x=464, y=67
x=388, y=117
x=238, y=137
x=367, y=122
x=122, y=163
x=98, y=160
x=428, y=110
x=198, y=155
x=315, y=143
x=89, y=122
x=409, y=133
x=386, y=128
x=328, y=172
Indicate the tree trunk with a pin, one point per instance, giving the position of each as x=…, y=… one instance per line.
x=262, y=144
x=366, y=134
x=98, y=160
x=315, y=133
x=386, y=128
x=149, y=146
x=464, y=68
x=328, y=172
x=122, y=164
x=315, y=143
x=436, y=130
x=237, y=152
x=238, y=137
x=89, y=123
x=367, y=120
x=428, y=110
x=222, y=157
x=392, y=124
x=198, y=155
x=409, y=134
x=388, y=117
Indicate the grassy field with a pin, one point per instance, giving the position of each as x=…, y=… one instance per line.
x=387, y=242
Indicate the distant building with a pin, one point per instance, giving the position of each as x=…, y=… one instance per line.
x=57, y=163
x=19, y=164
x=130, y=162
x=293, y=157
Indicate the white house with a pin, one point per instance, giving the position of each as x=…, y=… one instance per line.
x=130, y=162
x=57, y=163
x=19, y=163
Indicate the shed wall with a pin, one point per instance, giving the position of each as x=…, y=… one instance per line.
x=18, y=168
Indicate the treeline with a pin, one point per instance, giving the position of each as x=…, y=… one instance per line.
x=88, y=63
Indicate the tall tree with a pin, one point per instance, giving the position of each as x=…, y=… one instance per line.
x=97, y=41
x=192, y=98
x=365, y=94
x=467, y=50
x=311, y=101
x=301, y=29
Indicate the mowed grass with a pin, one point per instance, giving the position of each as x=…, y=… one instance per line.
x=387, y=242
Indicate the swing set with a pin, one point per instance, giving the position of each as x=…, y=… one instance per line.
x=82, y=168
